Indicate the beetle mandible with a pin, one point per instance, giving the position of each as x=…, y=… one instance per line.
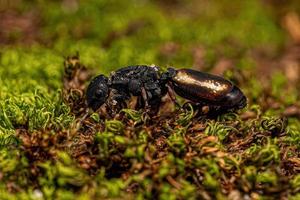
x=150, y=85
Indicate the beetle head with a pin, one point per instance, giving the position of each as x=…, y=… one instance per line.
x=97, y=92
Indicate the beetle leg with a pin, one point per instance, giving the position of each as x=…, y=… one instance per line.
x=108, y=109
x=145, y=97
x=171, y=94
x=116, y=102
x=134, y=87
x=140, y=103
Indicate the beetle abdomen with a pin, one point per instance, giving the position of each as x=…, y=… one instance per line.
x=206, y=88
x=195, y=85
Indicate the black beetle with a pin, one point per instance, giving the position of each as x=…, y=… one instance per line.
x=150, y=85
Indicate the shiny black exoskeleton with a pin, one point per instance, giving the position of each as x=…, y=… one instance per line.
x=150, y=85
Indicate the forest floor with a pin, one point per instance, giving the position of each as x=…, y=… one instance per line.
x=50, y=148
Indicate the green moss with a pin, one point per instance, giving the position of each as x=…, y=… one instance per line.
x=53, y=153
x=218, y=129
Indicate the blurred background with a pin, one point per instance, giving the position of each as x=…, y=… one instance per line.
x=254, y=43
